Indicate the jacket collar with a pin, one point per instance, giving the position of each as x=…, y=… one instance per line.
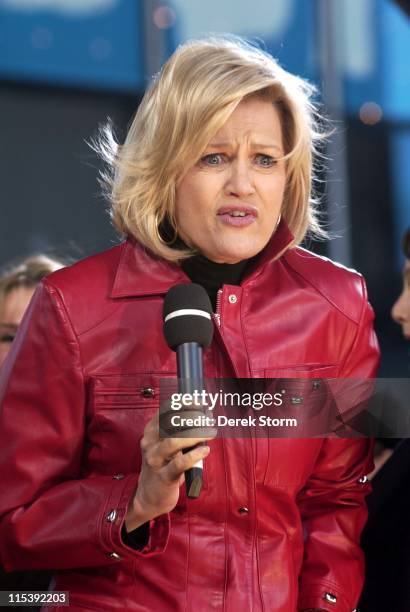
x=141, y=273
x=277, y=245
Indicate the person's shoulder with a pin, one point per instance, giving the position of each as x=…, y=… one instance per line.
x=92, y=274
x=343, y=287
x=84, y=287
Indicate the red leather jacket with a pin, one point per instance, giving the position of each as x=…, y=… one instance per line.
x=278, y=523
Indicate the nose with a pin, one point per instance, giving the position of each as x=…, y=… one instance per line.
x=240, y=181
x=400, y=311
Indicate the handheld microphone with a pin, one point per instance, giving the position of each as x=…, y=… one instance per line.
x=188, y=329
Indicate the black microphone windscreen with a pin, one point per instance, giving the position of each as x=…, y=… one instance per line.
x=187, y=316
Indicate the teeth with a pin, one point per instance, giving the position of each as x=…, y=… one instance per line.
x=237, y=213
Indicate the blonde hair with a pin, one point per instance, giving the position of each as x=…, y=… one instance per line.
x=27, y=274
x=187, y=103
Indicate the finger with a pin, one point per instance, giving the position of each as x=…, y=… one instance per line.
x=156, y=460
x=158, y=454
x=151, y=433
x=171, y=423
x=152, y=424
x=200, y=433
x=180, y=463
x=167, y=447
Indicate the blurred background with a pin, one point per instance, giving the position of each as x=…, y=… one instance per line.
x=67, y=65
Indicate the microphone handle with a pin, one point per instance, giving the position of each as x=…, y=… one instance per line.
x=190, y=379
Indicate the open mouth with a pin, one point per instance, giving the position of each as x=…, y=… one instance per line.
x=237, y=217
x=238, y=213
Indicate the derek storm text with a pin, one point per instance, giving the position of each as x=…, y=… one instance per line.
x=178, y=420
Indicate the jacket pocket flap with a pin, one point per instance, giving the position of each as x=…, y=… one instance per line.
x=126, y=390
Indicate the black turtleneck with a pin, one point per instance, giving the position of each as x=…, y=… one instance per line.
x=212, y=275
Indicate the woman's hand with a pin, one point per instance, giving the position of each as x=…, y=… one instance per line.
x=162, y=471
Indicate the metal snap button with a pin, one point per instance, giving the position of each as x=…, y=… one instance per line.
x=243, y=510
x=147, y=392
x=118, y=477
x=111, y=516
x=316, y=384
x=363, y=480
x=330, y=598
x=114, y=555
x=296, y=400
x=232, y=298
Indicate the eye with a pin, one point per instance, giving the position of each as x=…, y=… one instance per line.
x=265, y=161
x=7, y=338
x=212, y=159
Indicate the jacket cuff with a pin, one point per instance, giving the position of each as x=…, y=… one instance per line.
x=112, y=523
x=323, y=597
x=138, y=538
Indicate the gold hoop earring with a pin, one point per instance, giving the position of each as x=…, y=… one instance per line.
x=168, y=225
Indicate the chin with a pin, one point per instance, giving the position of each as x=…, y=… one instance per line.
x=232, y=251
x=233, y=257
x=247, y=251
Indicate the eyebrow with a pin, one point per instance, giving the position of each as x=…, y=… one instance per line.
x=254, y=145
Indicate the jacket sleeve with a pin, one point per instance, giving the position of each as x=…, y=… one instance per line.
x=51, y=516
x=332, y=504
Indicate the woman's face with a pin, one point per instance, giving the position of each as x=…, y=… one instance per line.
x=228, y=204
x=401, y=308
x=15, y=304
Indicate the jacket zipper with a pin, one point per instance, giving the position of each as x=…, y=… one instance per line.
x=217, y=313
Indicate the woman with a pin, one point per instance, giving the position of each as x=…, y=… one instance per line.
x=386, y=538
x=17, y=286
x=401, y=307
x=213, y=184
